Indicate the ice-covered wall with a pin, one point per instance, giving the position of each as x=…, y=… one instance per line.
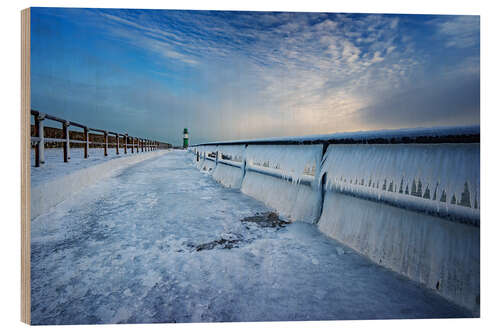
x=206, y=165
x=441, y=254
x=296, y=202
x=280, y=176
x=229, y=176
x=413, y=208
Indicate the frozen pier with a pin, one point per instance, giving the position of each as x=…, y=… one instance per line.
x=160, y=241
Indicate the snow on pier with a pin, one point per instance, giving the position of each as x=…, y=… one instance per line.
x=160, y=241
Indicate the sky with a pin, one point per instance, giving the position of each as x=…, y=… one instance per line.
x=245, y=75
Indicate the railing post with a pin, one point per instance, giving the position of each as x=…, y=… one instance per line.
x=117, y=144
x=142, y=145
x=125, y=136
x=106, y=143
x=86, y=149
x=197, y=156
x=243, y=164
x=40, y=146
x=320, y=182
x=37, y=145
x=65, y=128
x=216, y=158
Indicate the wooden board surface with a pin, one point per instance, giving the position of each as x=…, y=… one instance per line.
x=25, y=167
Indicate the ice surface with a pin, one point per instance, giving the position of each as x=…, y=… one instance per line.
x=72, y=179
x=125, y=251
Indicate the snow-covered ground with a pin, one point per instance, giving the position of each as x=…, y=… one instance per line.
x=161, y=242
x=55, y=167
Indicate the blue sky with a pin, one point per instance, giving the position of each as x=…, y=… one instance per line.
x=236, y=75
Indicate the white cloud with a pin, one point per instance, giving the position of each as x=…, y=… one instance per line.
x=459, y=31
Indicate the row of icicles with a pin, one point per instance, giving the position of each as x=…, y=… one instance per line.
x=416, y=190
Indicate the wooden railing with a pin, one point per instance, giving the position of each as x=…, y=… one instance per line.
x=38, y=139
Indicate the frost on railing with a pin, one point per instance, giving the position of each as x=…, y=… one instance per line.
x=232, y=152
x=205, y=157
x=295, y=161
x=439, y=178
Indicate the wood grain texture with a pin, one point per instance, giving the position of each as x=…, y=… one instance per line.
x=25, y=167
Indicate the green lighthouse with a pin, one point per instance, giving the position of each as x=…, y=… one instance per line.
x=186, y=138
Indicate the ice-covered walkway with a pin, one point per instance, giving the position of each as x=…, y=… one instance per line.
x=162, y=242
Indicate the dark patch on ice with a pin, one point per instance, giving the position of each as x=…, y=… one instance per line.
x=266, y=220
x=219, y=243
x=227, y=241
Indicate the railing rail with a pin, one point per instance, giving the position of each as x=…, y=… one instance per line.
x=39, y=139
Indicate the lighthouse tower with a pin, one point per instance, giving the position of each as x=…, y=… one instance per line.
x=186, y=138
